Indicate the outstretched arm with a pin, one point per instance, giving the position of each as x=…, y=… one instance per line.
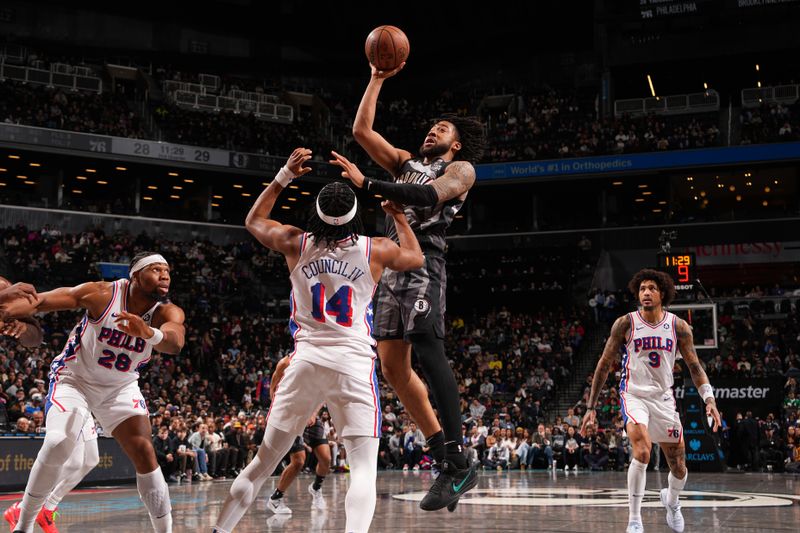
x=616, y=339
x=456, y=180
x=90, y=296
x=378, y=148
x=271, y=233
x=699, y=377
x=387, y=254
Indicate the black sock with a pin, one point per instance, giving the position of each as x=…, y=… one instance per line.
x=318, y=482
x=277, y=495
x=455, y=454
x=436, y=444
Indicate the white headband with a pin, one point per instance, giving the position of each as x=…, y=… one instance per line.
x=340, y=220
x=146, y=261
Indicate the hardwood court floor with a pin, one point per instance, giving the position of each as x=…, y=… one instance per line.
x=515, y=501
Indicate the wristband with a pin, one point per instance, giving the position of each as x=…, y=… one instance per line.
x=284, y=176
x=706, y=391
x=157, y=337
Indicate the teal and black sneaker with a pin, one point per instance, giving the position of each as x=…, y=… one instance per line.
x=451, y=484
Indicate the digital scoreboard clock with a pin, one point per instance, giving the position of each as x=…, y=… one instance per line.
x=682, y=267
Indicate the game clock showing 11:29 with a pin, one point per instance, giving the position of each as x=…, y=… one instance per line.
x=681, y=267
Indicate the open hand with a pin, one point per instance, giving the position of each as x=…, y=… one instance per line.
x=383, y=74
x=711, y=410
x=349, y=170
x=296, y=160
x=13, y=328
x=588, y=419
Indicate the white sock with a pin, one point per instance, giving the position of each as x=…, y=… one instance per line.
x=637, y=478
x=675, y=487
x=359, y=504
x=154, y=492
x=83, y=459
x=247, y=484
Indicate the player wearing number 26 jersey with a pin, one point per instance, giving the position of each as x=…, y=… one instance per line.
x=97, y=372
x=334, y=269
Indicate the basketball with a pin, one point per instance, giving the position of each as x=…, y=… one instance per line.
x=387, y=47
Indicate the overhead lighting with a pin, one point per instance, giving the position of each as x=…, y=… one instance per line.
x=13, y=157
x=767, y=189
x=689, y=178
x=237, y=186
x=765, y=203
x=662, y=202
x=90, y=170
x=732, y=188
x=175, y=196
x=749, y=183
x=703, y=194
x=175, y=174
x=2, y=184
x=284, y=207
x=3, y=170
x=640, y=199
x=650, y=81
x=656, y=210
x=218, y=196
x=102, y=182
x=152, y=187
x=293, y=187
x=28, y=182
x=147, y=197
x=82, y=178
x=647, y=193
x=265, y=183
x=214, y=205
x=691, y=188
x=759, y=84
x=77, y=191
x=378, y=196
x=305, y=193
x=177, y=187
x=20, y=176
x=617, y=183
x=292, y=199
x=776, y=182
x=758, y=67
x=747, y=174
x=705, y=86
x=459, y=216
x=187, y=180
x=121, y=168
x=738, y=197
x=34, y=164
x=696, y=198
x=247, y=194
x=643, y=186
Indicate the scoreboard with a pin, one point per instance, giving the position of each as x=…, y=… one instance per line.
x=682, y=268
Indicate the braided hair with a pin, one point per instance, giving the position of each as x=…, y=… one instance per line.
x=335, y=199
x=471, y=135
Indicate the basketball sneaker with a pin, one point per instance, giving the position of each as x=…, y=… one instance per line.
x=317, y=502
x=278, y=507
x=451, y=484
x=674, y=515
x=634, y=527
x=12, y=515
x=47, y=520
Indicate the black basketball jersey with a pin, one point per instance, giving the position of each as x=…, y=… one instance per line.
x=429, y=223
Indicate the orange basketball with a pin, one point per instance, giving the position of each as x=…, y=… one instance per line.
x=387, y=47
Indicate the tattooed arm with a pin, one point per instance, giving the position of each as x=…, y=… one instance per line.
x=456, y=181
x=699, y=377
x=616, y=339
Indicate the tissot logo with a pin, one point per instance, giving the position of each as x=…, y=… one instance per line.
x=581, y=496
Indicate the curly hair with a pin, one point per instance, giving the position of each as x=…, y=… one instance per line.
x=470, y=134
x=665, y=284
x=335, y=199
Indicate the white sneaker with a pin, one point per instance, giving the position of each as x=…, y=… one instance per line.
x=575, y=468
x=317, y=502
x=674, y=515
x=635, y=527
x=416, y=468
x=278, y=506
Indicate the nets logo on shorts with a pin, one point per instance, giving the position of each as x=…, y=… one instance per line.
x=422, y=306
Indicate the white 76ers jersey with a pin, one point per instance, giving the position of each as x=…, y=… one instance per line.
x=331, y=305
x=649, y=356
x=101, y=354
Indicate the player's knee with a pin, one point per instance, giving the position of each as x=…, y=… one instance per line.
x=242, y=489
x=297, y=460
x=642, y=455
x=395, y=372
x=56, y=449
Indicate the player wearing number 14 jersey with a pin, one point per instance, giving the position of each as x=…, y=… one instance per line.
x=649, y=340
x=334, y=270
x=97, y=373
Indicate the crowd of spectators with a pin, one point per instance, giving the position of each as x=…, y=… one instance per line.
x=770, y=123
x=212, y=398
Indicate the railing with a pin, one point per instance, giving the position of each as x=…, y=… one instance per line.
x=677, y=104
x=780, y=94
x=209, y=102
x=51, y=78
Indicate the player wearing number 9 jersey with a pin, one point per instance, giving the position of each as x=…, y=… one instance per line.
x=649, y=340
x=334, y=270
x=97, y=373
